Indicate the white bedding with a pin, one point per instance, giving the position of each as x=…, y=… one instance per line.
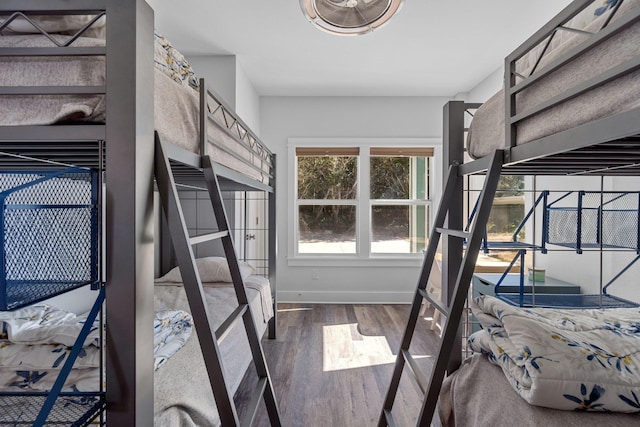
x=486, y=132
x=183, y=395
x=587, y=360
x=36, y=340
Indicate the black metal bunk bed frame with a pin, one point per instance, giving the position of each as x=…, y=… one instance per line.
x=608, y=146
x=129, y=253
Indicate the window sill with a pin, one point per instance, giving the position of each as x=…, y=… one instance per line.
x=353, y=261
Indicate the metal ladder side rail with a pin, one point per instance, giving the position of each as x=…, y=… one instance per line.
x=461, y=290
x=265, y=385
x=427, y=262
x=454, y=310
x=208, y=337
x=56, y=389
x=193, y=286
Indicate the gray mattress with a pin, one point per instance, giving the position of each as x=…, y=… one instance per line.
x=183, y=396
x=176, y=105
x=478, y=394
x=486, y=132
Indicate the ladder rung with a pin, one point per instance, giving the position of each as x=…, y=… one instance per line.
x=226, y=326
x=454, y=233
x=390, y=421
x=417, y=372
x=252, y=407
x=207, y=237
x=433, y=300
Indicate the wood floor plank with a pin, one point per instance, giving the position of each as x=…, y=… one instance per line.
x=332, y=363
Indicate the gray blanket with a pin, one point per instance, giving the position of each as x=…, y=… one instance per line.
x=46, y=71
x=478, y=394
x=183, y=395
x=176, y=113
x=486, y=132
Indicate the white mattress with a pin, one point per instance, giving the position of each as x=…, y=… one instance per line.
x=486, y=132
x=176, y=105
x=478, y=394
x=183, y=395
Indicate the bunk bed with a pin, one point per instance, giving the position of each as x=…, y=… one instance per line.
x=570, y=106
x=59, y=84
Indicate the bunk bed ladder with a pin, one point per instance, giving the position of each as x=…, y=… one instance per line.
x=453, y=311
x=208, y=337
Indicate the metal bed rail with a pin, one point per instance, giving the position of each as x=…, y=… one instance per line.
x=215, y=111
x=77, y=144
x=606, y=146
x=544, y=37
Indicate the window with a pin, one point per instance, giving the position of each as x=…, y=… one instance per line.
x=327, y=182
x=399, y=181
x=505, y=220
x=362, y=201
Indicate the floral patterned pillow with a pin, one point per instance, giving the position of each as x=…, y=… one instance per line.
x=173, y=63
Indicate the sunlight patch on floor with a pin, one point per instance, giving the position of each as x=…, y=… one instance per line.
x=345, y=348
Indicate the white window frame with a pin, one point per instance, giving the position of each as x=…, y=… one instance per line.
x=363, y=256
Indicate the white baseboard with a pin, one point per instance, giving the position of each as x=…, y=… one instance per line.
x=333, y=297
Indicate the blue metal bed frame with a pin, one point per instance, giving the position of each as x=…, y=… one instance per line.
x=603, y=300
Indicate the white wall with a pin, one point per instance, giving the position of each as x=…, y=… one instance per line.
x=219, y=73
x=487, y=87
x=348, y=117
x=247, y=101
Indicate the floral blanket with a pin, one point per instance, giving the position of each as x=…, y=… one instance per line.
x=35, y=342
x=586, y=360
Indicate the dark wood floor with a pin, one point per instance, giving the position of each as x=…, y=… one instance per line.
x=331, y=364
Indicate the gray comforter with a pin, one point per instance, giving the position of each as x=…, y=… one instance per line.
x=478, y=394
x=486, y=132
x=176, y=114
x=182, y=394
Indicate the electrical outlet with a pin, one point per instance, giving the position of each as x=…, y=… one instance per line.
x=315, y=274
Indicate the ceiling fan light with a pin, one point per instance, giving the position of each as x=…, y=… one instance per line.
x=349, y=17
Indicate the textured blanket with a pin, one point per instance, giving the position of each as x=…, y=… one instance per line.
x=35, y=342
x=486, y=132
x=479, y=395
x=566, y=359
x=183, y=396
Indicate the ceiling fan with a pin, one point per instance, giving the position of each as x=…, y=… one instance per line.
x=349, y=17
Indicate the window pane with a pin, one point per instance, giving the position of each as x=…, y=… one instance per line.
x=327, y=177
x=399, y=229
x=508, y=209
x=395, y=177
x=327, y=229
x=507, y=213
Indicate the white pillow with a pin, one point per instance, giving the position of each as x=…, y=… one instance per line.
x=212, y=269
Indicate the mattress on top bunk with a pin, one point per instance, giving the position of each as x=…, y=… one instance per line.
x=478, y=394
x=176, y=102
x=487, y=129
x=183, y=395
